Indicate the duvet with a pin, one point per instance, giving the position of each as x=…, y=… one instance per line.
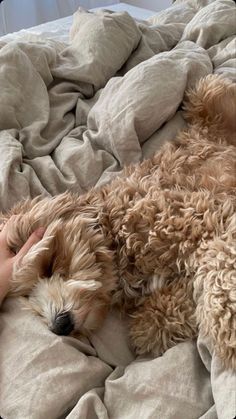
x=71, y=116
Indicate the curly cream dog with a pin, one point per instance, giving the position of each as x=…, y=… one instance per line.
x=158, y=241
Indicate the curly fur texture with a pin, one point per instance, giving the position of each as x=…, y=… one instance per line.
x=159, y=241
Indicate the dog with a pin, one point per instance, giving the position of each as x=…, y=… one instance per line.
x=159, y=241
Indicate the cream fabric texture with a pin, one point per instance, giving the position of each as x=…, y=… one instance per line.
x=71, y=116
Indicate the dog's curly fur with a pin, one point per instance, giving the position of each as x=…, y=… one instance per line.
x=159, y=241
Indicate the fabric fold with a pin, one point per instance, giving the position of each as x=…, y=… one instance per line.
x=72, y=115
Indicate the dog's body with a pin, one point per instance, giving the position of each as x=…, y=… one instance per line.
x=158, y=241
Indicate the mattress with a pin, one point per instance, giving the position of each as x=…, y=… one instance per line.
x=59, y=29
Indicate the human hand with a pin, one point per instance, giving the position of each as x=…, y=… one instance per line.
x=7, y=258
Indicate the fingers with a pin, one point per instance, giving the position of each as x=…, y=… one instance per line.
x=4, y=228
x=35, y=237
x=3, y=238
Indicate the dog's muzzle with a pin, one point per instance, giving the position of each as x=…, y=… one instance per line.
x=63, y=324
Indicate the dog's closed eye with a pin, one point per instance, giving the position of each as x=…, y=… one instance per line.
x=89, y=285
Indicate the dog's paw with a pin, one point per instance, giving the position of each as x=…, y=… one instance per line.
x=166, y=317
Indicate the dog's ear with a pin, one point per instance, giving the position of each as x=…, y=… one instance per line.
x=36, y=263
x=31, y=267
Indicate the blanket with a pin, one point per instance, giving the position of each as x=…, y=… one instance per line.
x=71, y=116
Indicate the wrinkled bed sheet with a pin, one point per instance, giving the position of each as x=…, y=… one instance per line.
x=71, y=116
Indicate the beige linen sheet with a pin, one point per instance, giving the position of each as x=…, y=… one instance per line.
x=71, y=116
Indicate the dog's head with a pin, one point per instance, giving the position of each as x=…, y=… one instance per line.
x=69, y=305
x=69, y=275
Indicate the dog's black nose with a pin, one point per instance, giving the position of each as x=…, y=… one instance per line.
x=63, y=324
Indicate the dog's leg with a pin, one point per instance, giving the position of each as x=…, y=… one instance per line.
x=212, y=105
x=166, y=318
x=215, y=295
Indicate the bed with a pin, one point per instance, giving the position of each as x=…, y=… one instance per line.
x=73, y=112
x=59, y=29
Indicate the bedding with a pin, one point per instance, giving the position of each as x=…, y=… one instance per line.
x=72, y=114
x=59, y=29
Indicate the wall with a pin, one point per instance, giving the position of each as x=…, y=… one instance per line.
x=19, y=14
x=150, y=4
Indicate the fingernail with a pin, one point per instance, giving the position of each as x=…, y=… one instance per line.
x=40, y=232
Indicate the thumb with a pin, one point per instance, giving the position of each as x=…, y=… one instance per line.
x=35, y=237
